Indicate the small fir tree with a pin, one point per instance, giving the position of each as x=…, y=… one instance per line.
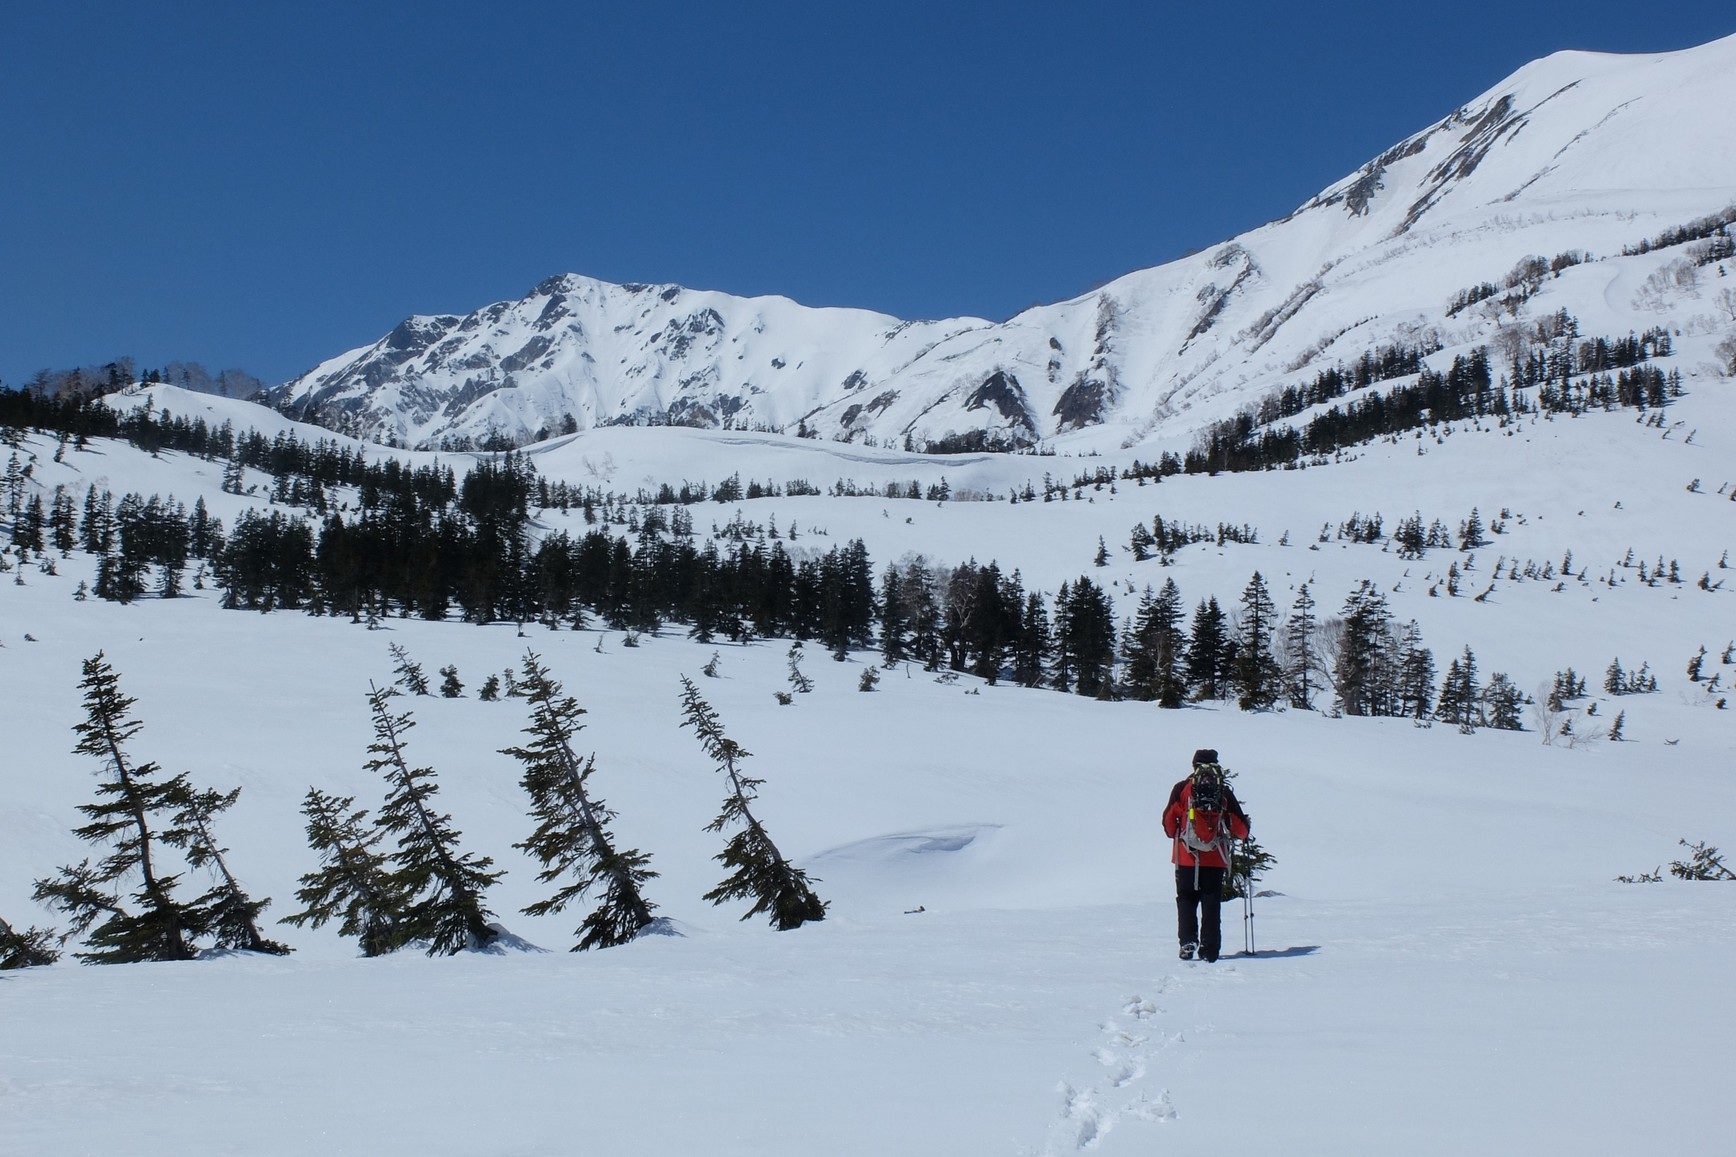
x=446, y=885
x=408, y=671
x=1615, y=728
x=231, y=915
x=354, y=881
x=450, y=685
x=30, y=948
x=869, y=681
x=758, y=871
x=131, y=800
x=1703, y=863
x=490, y=689
x=800, y=682
x=572, y=837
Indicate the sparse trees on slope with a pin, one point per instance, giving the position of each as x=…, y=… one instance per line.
x=446, y=885
x=354, y=880
x=759, y=871
x=572, y=837
x=131, y=797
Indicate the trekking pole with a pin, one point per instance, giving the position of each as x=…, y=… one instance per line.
x=1247, y=904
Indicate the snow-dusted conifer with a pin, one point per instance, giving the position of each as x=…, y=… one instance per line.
x=354, y=881
x=572, y=837
x=131, y=797
x=445, y=885
x=758, y=870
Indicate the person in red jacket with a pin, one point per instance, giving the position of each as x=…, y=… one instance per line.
x=1202, y=819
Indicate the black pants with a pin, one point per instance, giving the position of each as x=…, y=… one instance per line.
x=1196, y=909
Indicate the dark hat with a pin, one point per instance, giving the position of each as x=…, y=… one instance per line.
x=1205, y=755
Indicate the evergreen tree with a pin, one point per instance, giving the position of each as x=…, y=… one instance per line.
x=1363, y=659
x=230, y=914
x=27, y=949
x=1299, y=648
x=450, y=685
x=894, y=617
x=1461, y=694
x=445, y=886
x=131, y=797
x=1085, y=637
x=1503, y=704
x=798, y=681
x=1258, y=677
x=1208, y=644
x=758, y=870
x=354, y=881
x=1032, y=646
x=408, y=671
x=1169, y=647
x=572, y=836
x=1416, y=674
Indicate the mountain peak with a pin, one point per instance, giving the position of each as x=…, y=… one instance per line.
x=1577, y=152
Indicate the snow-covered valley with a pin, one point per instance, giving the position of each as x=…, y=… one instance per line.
x=1446, y=960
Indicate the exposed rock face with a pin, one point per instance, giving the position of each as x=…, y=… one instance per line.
x=1542, y=164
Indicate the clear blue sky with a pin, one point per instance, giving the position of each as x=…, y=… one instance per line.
x=266, y=186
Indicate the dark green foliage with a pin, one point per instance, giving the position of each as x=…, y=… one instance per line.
x=1257, y=677
x=445, y=886
x=130, y=799
x=800, y=682
x=758, y=871
x=1503, y=704
x=1461, y=694
x=354, y=881
x=27, y=949
x=1085, y=637
x=572, y=837
x=1703, y=863
x=1248, y=862
x=1154, y=647
x=490, y=690
x=1299, y=672
x=409, y=672
x=869, y=681
x=230, y=915
x=1362, y=669
x=1210, y=652
x=450, y=685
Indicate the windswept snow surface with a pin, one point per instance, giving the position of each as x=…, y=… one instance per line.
x=1446, y=964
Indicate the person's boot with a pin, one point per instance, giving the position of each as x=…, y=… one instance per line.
x=1188, y=950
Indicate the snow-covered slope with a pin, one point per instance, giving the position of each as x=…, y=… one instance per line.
x=1448, y=963
x=1578, y=152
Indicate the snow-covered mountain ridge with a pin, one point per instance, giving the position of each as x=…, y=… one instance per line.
x=1579, y=153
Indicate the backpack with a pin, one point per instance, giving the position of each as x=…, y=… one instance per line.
x=1204, y=825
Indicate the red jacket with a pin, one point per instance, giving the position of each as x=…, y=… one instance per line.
x=1180, y=796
